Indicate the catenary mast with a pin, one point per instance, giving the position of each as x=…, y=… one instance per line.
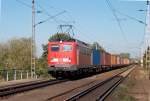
x=33, y=51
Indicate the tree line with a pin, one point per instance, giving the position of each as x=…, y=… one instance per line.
x=16, y=54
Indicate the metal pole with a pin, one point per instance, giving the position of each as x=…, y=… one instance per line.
x=33, y=41
x=148, y=35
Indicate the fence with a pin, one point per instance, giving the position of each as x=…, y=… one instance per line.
x=14, y=74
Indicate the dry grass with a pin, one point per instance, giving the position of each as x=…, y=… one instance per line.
x=121, y=93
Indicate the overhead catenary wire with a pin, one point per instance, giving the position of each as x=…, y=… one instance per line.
x=71, y=21
x=23, y=3
x=58, y=21
x=47, y=13
x=27, y=5
x=137, y=20
x=43, y=11
x=51, y=17
x=143, y=39
x=130, y=17
x=117, y=19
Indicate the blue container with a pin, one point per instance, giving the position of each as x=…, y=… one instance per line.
x=96, y=57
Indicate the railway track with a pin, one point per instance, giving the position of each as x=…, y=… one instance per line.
x=22, y=87
x=109, y=84
x=102, y=89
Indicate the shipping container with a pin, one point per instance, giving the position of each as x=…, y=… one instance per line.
x=113, y=59
x=122, y=61
x=103, y=58
x=118, y=60
x=96, y=57
x=126, y=61
x=108, y=59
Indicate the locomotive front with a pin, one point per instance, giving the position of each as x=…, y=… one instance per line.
x=61, y=56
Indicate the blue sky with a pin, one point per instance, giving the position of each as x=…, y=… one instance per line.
x=93, y=19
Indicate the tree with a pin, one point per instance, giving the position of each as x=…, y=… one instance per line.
x=3, y=54
x=41, y=62
x=125, y=55
x=41, y=67
x=45, y=50
x=16, y=53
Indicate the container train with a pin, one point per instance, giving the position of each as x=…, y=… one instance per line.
x=77, y=58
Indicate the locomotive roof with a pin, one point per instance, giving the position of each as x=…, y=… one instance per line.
x=81, y=43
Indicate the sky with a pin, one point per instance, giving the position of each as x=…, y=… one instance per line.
x=93, y=20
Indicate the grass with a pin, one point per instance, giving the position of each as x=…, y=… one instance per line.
x=121, y=93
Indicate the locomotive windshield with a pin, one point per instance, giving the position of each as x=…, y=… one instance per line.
x=67, y=47
x=55, y=48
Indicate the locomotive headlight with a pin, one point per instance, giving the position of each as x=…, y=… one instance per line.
x=54, y=59
x=66, y=60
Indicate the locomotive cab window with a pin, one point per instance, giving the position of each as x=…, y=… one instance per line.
x=55, y=48
x=67, y=48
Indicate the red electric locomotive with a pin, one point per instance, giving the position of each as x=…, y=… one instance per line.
x=68, y=58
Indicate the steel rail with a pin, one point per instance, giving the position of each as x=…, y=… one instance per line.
x=28, y=86
x=111, y=89
x=83, y=93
